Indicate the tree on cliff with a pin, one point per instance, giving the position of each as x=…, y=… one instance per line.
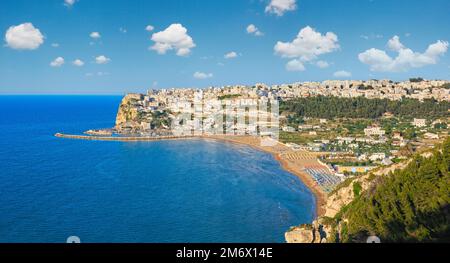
x=409, y=205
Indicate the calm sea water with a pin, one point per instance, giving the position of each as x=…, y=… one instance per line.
x=174, y=191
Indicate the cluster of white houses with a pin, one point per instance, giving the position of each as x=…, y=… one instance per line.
x=382, y=89
x=183, y=100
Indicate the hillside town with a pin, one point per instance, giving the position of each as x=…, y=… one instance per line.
x=438, y=90
x=345, y=146
x=153, y=112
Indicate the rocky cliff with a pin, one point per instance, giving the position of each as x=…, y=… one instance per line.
x=325, y=229
x=128, y=114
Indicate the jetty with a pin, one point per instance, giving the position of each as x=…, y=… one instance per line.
x=123, y=138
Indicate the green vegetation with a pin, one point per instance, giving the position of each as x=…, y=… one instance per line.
x=350, y=163
x=410, y=205
x=160, y=119
x=345, y=183
x=229, y=96
x=356, y=126
x=334, y=107
x=416, y=79
x=357, y=188
x=441, y=126
x=289, y=137
x=295, y=120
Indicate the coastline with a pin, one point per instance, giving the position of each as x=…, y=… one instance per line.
x=279, y=153
x=285, y=164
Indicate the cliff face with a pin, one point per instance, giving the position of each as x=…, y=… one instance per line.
x=321, y=229
x=128, y=114
x=314, y=233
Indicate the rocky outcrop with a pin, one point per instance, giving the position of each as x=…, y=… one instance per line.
x=314, y=233
x=128, y=114
x=299, y=235
x=345, y=195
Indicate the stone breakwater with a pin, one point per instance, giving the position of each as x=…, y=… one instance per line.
x=122, y=138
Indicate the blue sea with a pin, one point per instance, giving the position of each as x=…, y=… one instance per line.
x=167, y=191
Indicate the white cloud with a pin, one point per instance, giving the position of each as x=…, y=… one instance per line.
x=202, y=75
x=78, y=63
x=101, y=74
x=342, y=74
x=102, y=60
x=279, y=7
x=322, y=64
x=364, y=37
x=58, y=62
x=69, y=3
x=123, y=30
x=371, y=36
x=379, y=60
x=295, y=65
x=174, y=37
x=230, y=55
x=308, y=45
x=55, y=45
x=149, y=28
x=394, y=44
x=95, y=35
x=253, y=30
x=24, y=36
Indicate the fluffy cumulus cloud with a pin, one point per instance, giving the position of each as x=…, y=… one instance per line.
x=149, y=28
x=322, y=64
x=102, y=60
x=78, y=63
x=175, y=37
x=307, y=46
x=379, y=60
x=394, y=44
x=95, y=35
x=295, y=65
x=342, y=74
x=279, y=7
x=202, y=75
x=253, y=30
x=24, y=36
x=230, y=55
x=58, y=62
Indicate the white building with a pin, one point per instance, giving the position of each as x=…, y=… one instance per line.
x=288, y=129
x=377, y=156
x=420, y=123
x=371, y=131
x=430, y=135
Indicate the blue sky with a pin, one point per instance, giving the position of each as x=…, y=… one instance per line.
x=356, y=47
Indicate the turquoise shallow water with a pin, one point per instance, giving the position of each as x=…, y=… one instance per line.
x=173, y=191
